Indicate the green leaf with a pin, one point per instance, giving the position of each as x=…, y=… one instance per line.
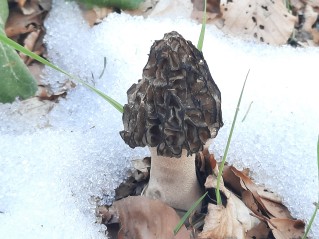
x=4, y=13
x=15, y=78
x=121, y=4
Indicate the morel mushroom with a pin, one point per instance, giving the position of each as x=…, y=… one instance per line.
x=174, y=109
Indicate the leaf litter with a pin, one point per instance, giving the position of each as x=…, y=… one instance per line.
x=257, y=20
x=253, y=20
x=248, y=210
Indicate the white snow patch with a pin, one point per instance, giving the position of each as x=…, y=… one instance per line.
x=52, y=165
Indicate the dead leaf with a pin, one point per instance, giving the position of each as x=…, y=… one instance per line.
x=34, y=107
x=29, y=43
x=212, y=6
x=205, y=163
x=232, y=181
x=212, y=10
x=276, y=210
x=248, y=184
x=250, y=202
x=297, y=5
x=267, y=194
x=286, y=228
x=259, y=20
x=106, y=215
x=180, y=8
x=29, y=7
x=143, y=165
x=313, y=3
x=310, y=19
x=36, y=70
x=18, y=23
x=144, y=218
x=21, y=3
x=261, y=231
x=95, y=15
x=262, y=202
x=232, y=221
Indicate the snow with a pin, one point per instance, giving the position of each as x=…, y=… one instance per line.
x=54, y=165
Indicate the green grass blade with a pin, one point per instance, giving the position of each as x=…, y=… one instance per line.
x=181, y=222
x=247, y=111
x=317, y=205
x=20, y=48
x=202, y=31
x=310, y=222
x=219, y=200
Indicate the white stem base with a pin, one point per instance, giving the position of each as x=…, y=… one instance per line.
x=173, y=180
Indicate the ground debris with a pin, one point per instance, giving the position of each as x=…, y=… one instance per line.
x=141, y=217
x=248, y=210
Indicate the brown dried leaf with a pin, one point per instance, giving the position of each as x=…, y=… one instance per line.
x=96, y=14
x=168, y=7
x=126, y=188
x=276, y=210
x=29, y=7
x=265, y=193
x=248, y=184
x=142, y=165
x=19, y=24
x=232, y=221
x=21, y=3
x=313, y=3
x=310, y=19
x=232, y=181
x=212, y=10
x=135, y=184
x=249, y=200
x=29, y=43
x=106, y=215
x=297, y=4
x=212, y=6
x=273, y=204
x=33, y=107
x=286, y=228
x=269, y=202
x=144, y=218
x=36, y=70
x=261, y=231
x=205, y=163
x=260, y=20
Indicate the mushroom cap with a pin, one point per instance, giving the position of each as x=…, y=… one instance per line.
x=176, y=105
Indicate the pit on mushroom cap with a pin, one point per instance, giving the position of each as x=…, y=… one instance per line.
x=175, y=108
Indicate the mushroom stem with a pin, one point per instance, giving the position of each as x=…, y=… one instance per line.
x=173, y=180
